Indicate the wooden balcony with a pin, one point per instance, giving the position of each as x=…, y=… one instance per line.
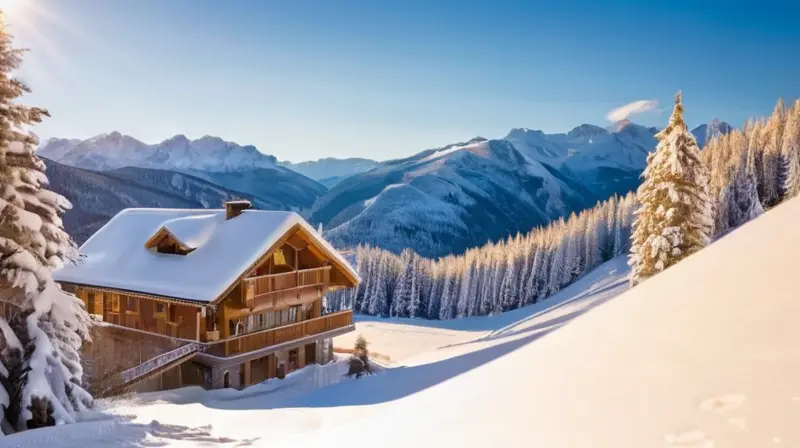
x=268, y=291
x=278, y=335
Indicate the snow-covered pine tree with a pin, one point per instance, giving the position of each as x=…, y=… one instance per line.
x=674, y=217
x=773, y=158
x=44, y=332
x=747, y=205
x=791, y=151
x=420, y=285
x=402, y=291
x=509, y=295
x=447, y=305
x=530, y=289
x=435, y=295
x=558, y=265
x=466, y=287
x=379, y=295
x=572, y=257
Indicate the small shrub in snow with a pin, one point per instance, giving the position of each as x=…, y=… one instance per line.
x=358, y=364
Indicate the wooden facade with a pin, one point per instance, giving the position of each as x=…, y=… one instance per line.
x=267, y=323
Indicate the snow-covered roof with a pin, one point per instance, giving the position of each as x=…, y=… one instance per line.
x=116, y=256
x=192, y=231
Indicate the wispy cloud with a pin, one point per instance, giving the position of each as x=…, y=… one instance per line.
x=629, y=109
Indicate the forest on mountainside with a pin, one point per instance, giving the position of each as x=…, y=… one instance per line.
x=751, y=170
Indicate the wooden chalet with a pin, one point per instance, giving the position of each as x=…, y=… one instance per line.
x=214, y=298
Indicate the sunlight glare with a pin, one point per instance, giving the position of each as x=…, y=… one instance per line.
x=10, y=5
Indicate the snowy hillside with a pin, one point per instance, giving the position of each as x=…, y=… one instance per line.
x=316, y=400
x=330, y=171
x=98, y=196
x=448, y=199
x=702, y=355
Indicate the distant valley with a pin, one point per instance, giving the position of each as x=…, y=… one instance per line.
x=330, y=171
x=439, y=201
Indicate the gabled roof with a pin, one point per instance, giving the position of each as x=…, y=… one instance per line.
x=116, y=256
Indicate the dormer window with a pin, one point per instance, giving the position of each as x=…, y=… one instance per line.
x=164, y=242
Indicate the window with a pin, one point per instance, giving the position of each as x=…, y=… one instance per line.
x=293, y=359
x=294, y=314
x=112, y=303
x=284, y=317
x=132, y=305
x=270, y=319
x=279, y=258
x=90, y=302
x=160, y=308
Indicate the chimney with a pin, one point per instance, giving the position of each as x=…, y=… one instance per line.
x=235, y=208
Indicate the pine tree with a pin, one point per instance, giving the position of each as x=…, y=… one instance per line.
x=791, y=152
x=509, y=295
x=674, y=217
x=41, y=361
x=558, y=266
x=745, y=185
x=402, y=291
x=420, y=285
x=773, y=158
x=467, y=288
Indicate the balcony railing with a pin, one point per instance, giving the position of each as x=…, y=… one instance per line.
x=235, y=345
x=267, y=290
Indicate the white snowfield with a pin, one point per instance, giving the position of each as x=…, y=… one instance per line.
x=703, y=355
x=299, y=406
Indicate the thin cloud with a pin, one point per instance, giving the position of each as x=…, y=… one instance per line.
x=629, y=109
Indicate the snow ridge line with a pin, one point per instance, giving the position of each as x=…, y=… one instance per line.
x=584, y=294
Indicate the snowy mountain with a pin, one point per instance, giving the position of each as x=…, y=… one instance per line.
x=330, y=171
x=231, y=166
x=98, y=196
x=115, y=150
x=448, y=199
x=706, y=132
x=606, y=161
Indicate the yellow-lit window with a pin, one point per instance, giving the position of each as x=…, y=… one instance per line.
x=279, y=257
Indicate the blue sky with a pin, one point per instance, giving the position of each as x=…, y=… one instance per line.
x=304, y=79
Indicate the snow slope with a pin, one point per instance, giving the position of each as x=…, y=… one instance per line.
x=398, y=339
x=305, y=403
x=703, y=355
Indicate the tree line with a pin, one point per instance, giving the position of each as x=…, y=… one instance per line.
x=493, y=278
x=743, y=173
